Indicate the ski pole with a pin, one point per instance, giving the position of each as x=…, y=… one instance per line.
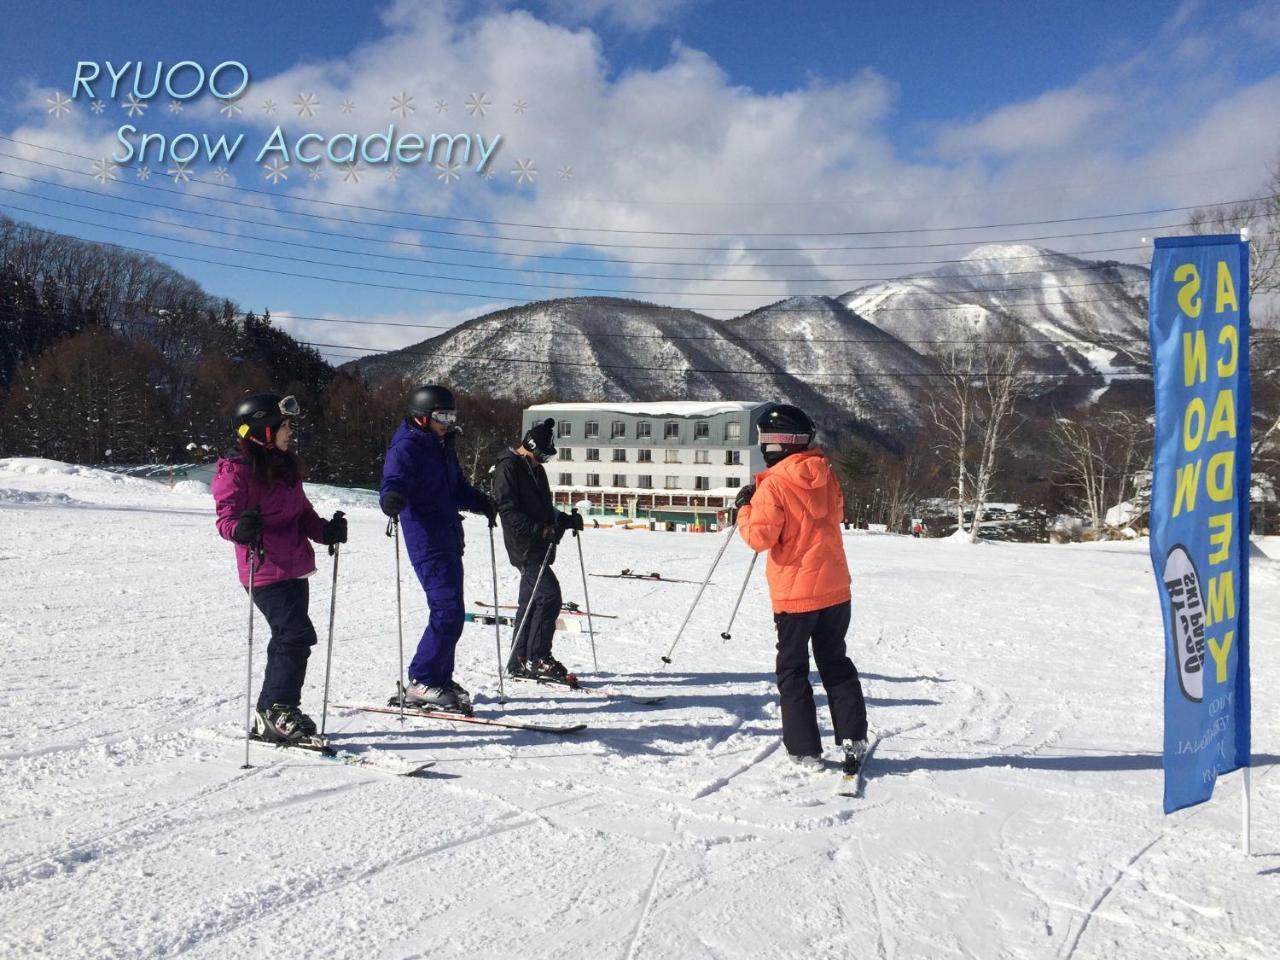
x=328, y=656
x=533, y=593
x=714, y=563
x=733, y=616
x=586, y=598
x=497, y=627
x=255, y=555
x=393, y=530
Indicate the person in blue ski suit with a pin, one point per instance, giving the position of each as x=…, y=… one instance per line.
x=423, y=486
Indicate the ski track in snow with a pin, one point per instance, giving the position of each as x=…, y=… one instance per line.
x=1012, y=808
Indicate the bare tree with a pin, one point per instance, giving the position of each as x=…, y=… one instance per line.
x=1101, y=454
x=979, y=385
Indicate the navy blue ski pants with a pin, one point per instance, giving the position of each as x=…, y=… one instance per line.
x=441, y=579
x=826, y=629
x=284, y=605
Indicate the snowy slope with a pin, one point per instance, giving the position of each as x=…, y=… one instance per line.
x=1014, y=809
x=1002, y=290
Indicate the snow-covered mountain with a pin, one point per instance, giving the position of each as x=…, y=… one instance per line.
x=857, y=360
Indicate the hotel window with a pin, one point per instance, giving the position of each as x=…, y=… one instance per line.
x=671, y=431
x=702, y=431
x=644, y=429
x=645, y=482
x=617, y=429
x=672, y=483
x=593, y=429
x=644, y=456
x=673, y=456
x=565, y=453
x=593, y=454
x=593, y=479
x=733, y=483
x=732, y=432
x=619, y=455
x=564, y=429
x=619, y=479
x=702, y=483
x=732, y=458
x=702, y=456
x=566, y=479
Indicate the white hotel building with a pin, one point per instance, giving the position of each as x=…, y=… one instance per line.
x=670, y=461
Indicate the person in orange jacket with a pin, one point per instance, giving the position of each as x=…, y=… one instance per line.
x=793, y=510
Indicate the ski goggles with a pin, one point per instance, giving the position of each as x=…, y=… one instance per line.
x=448, y=417
x=289, y=407
x=784, y=438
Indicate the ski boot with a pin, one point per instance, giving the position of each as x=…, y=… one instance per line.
x=806, y=762
x=462, y=693
x=551, y=670
x=854, y=753
x=281, y=723
x=438, y=699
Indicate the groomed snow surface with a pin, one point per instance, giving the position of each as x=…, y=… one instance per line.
x=1013, y=808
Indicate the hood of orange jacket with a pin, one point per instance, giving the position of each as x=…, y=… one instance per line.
x=795, y=515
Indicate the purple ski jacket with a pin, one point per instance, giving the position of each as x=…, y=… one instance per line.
x=288, y=521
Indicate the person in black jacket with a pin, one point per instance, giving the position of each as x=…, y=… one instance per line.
x=531, y=527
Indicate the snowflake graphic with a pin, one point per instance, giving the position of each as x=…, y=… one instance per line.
x=489, y=174
x=175, y=107
x=442, y=106
x=393, y=173
x=566, y=173
x=230, y=108
x=448, y=171
x=222, y=174
x=306, y=104
x=521, y=106
x=59, y=104
x=351, y=172
x=347, y=106
x=269, y=106
x=315, y=173
x=402, y=104
x=104, y=170
x=133, y=106
x=276, y=171
x=179, y=172
x=478, y=104
x=524, y=171
x=144, y=173
x=97, y=107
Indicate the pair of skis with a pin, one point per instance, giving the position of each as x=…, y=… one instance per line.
x=569, y=608
x=632, y=575
x=321, y=749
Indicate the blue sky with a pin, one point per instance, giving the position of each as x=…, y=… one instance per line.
x=683, y=117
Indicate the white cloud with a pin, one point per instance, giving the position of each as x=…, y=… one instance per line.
x=1050, y=121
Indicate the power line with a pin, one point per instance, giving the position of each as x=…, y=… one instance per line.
x=672, y=233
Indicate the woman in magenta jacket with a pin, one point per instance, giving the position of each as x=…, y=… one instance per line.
x=261, y=503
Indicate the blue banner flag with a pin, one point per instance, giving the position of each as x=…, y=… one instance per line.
x=1199, y=322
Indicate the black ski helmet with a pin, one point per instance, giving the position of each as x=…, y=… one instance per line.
x=540, y=440
x=428, y=400
x=782, y=431
x=258, y=417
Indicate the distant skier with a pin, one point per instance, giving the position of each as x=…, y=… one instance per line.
x=259, y=498
x=531, y=526
x=423, y=485
x=793, y=510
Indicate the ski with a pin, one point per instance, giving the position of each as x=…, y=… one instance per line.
x=853, y=786
x=562, y=625
x=575, y=684
x=322, y=751
x=465, y=718
x=570, y=608
x=651, y=577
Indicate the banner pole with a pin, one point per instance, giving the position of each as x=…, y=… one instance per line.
x=1245, y=823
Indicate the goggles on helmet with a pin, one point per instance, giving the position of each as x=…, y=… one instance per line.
x=448, y=417
x=289, y=407
x=784, y=438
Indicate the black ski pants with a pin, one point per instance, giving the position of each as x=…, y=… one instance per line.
x=533, y=641
x=284, y=605
x=825, y=629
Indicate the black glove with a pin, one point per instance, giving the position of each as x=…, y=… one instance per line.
x=744, y=496
x=489, y=508
x=575, y=520
x=248, y=527
x=335, y=531
x=392, y=503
